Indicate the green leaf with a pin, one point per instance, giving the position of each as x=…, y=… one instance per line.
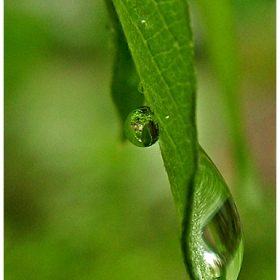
x=223, y=53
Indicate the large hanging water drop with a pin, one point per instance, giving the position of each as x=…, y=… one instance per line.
x=140, y=127
x=215, y=229
x=223, y=245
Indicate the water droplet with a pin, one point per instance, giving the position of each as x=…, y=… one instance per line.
x=143, y=21
x=167, y=117
x=140, y=127
x=140, y=88
x=215, y=232
x=223, y=246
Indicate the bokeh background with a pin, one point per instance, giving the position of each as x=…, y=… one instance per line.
x=80, y=204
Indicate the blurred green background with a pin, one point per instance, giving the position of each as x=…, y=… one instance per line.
x=79, y=204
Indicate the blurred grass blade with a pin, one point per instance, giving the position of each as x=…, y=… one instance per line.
x=221, y=40
x=125, y=81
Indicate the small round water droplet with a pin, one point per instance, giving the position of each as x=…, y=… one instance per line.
x=140, y=127
x=143, y=21
x=167, y=117
x=140, y=88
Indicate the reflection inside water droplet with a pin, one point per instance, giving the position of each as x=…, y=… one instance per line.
x=223, y=247
x=214, y=262
x=140, y=127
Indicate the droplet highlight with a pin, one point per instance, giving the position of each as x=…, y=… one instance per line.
x=143, y=21
x=141, y=128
